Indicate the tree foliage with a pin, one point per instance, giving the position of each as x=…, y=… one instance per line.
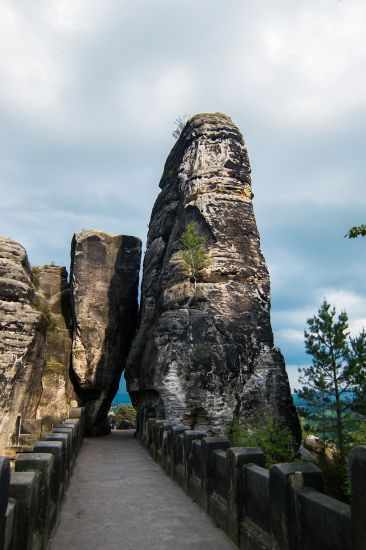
x=356, y=231
x=327, y=383
x=180, y=123
x=125, y=416
x=356, y=372
x=273, y=438
x=194, y=256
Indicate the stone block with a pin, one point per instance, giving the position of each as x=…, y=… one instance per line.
x=4, y=496
x=71, y=442
x=237, y=458
x=57, y=449
x=24, y=488
x=323, y=522
x=179, y=462
x=209, y=445
x=358, y=503
x=195, y=481
x=172, y=432
x=156, y=439
x=65, y=440
x=44, y=464
x=218, y=495
x=9, y=525
x=189, y=436
x=162, y=438
x=75, y=422
x=257, y=503
x=284, y=479
x=78, y=413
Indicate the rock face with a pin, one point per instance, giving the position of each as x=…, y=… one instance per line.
x=22, y=342
x=54, y=297
x=206, y=356
x=104, y=281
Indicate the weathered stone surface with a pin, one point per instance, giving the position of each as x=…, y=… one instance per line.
x=22, y=342
x=104, y=281
x=203, y=356
x=53, y=292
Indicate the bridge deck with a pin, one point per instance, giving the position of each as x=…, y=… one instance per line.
x=120, y=498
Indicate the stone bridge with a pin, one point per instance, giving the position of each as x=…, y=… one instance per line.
x=169, y=488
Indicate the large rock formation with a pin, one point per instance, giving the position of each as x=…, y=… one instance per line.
x=104, y=281
x=22, y=343
x=206, y=356
x=54, y=298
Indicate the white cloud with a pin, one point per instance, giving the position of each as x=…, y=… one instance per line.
x=290, y=335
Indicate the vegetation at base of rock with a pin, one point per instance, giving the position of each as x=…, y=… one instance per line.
x=274, y=439
x=356, y=231
x=193, y=256
x=125, y=416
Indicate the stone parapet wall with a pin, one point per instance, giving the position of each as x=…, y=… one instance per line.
x=33, y=486
x=283, y=508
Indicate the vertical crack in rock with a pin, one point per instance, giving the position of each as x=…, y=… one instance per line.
x=104, y=282
x=22, y=342
x=203, y=357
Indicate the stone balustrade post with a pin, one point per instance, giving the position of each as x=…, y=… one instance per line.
x=24, y=488
x=358, y=502
x=57, y=449
x=237, y=457
x=4, y=496
x=44, y=464
x=173, y=432
x=189, y=437
x=209, y=445
x=284, y=479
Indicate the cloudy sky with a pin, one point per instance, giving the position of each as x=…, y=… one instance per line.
x=90, y=89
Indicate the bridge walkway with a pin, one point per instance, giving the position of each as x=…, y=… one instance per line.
x=119, y=498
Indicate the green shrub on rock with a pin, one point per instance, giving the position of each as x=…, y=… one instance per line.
x=274, y=439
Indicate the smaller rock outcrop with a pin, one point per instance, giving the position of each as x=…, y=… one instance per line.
x=54, y=298
x=104, y=283
x=22, y=343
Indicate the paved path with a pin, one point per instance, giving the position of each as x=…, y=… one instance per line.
x=120, y=499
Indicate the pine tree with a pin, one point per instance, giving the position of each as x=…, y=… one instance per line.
x=327, y=381
x=193, y=256
x=356, y=372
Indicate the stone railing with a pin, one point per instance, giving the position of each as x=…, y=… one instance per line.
x=33, y=485
x=283, y=508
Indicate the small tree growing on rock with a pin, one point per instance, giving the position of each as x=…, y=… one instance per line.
x=180, y=123
x=194, y=256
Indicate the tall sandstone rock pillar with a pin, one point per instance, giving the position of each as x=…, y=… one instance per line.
x=204, y=357
x=22, y=343
x=104, y=283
